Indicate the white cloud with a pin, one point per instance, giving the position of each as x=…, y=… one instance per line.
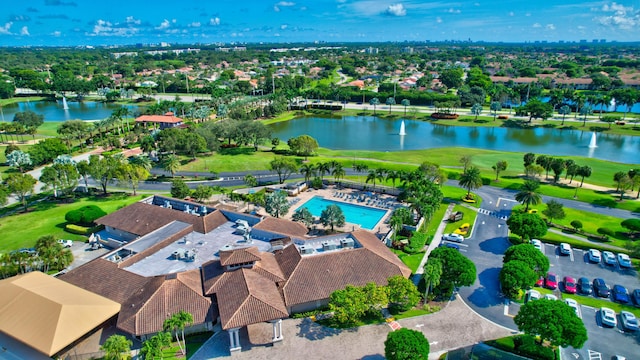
x=537, y=25
x=396, y=10
x=453, y=11
x=550, y=27
x=214, y=21
x=132, y=20
x=163, y=25
x=106, y=28
x=24, y=31
x=5, y=30
x=282, y=4
x=511, y=13
x=622, y=17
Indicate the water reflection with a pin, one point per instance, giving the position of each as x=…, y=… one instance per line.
x=372, y=133
x=54, y=111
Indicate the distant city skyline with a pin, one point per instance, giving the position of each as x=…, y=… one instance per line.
x=119, y=22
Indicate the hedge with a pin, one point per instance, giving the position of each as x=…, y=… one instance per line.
x=85, y=215
x=77, y=229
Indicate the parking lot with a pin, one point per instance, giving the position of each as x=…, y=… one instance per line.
x=604, y=342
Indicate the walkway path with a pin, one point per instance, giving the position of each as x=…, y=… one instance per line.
x=435, y=242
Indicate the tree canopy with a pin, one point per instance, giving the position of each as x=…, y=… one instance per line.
x=553, y=321
x=406, y=344
x=527, y=226
x=529, y=255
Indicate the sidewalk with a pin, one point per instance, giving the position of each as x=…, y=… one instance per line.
x=435, y=242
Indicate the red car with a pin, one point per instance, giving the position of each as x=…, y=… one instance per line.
x=551, y=281
x=540, y=281
x=570, y=285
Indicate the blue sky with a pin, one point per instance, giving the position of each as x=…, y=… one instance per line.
x=94, y=22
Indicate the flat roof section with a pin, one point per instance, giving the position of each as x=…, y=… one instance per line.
x=206, y=247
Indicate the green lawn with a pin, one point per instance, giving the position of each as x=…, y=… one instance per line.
x=469, y=217
x=411, y=260
x=47, y=218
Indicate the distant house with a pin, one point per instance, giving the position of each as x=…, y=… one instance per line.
x=168, y=120
x=223, y=267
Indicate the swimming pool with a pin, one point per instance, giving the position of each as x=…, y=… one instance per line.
x=365, y=216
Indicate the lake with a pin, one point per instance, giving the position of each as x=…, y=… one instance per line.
x=54, y=110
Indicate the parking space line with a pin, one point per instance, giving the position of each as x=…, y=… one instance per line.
x=594, y=355
x=571, y=255
x=506, y=309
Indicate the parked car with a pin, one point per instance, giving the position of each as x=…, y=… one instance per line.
x=537, y=244
x=453, y=237
x=594, y=256
x=620, y=294
x=550, y=297
x=65, y=243
x=601, y=288
x=532, y=295
x=450, y=245
x=551, y=281
x=608, y=317
x=624, y=261
x=584, y=286
x=629, y=321
x=573, y=304
x=609, y=258
x=635, y=296
x=569, y=285
x=565, y=249
x=540, y=281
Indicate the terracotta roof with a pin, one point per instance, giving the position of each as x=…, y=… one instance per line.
x=103, y=277
x=49, y=314
x=141, y=219
x=239, y=256
x=170, y=119
x=163, y=296
x=288, y=258
x=268, y=267
x=282, y=226
x=245, y=297
x=371, y=242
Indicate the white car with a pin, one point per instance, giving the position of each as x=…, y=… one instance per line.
x=608, y=317
x=624, y=261
x=609, y=258
x=65, y=243
x=572, y=304
x=550, y=297
x=629, y=321
x=594, y=256
x=565, y=249
x=453, y=237
x=536, y=244
x=532, y=295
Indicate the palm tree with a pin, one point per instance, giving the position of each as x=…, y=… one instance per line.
x=470, y=180
x=374, y=102
x=432, y=275
x=173, y=323
x=360, y=167
x=372, y=176
x=579, y=99
x=584, y=111
x=338, y=172
x=322, y=169
x=583, y=172
x=476, y=110
x=393, y=175
x=171, y=164
x=405, y=103
x=390, y=101
x=495, y=107
x=380, y=174
x=564, y=111
x=528, y=194
x=185, y=319
x=307, y=170
x=332, y=216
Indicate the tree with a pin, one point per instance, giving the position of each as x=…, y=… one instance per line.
x=171, y=163
x=131, y=174
x=390, y=101
x=470, y=180
x=73, y=130
x=116, y=347
x=529, y=159
x=499, y=167
x=172, y=324
x=406, y=344
x=348, y=305
x=554, y=210
x=19, y=160
x=332, y=216
x=457, y=270
x=557, y=166
x=303, y=145
x=584, y=172
x=403, y=294
x=536, y=109
x=28, y=119
x=83, y=170
x=374, y=102
x=632, y=225
x=466, y=161
x=545, y=162
x=516, y=276
x=432, y=275
x=476, y=110
x=553, y=321
x=528, y=194
x=103, y=169
x=303, y=215
x=451, y=77
x=276, y=203
x=618, y=178
x=584, y=111
x=576, y=225
x=495, y=107
x=564, y=111
x=527, y=226
x=4, y=194
x=185, y=319
x=202, y=193
x=284, y=167
x=609, y=119
x=405, y=103
x=529, y=255
x=179, y=189
x=152, y=347
x=338, y=172
x=21, y=185
x=60, y=176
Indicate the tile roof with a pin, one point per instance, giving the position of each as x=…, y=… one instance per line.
x=282, y=226
x=245, y=297
x=170, y=119
x=239, y=256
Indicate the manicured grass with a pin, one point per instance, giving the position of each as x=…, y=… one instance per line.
x=47, y=218
x=436, y=218
x=5, y=102
x=594, y=303
x=455, y=194
x=411, y=260
x=415, y=312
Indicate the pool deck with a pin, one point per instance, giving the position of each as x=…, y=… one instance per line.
x=349, y=196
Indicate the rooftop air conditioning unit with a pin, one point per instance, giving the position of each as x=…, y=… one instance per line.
x=326, y=246
x=305, y=250
x=346, y=243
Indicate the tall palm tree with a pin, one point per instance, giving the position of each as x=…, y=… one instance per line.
x=470, y=180
x=172, y=324
x=372, y=176
x=405, y=103
x=380, y=174
x=171, y=164
x=432, y=275
x=476, y=110
x=393, y=175
x=390, y=101
x=307, y=170
x=338, y=172
x=185, y=319
x=528, y=194
x=374, y=102
x=322, y=169
x=564, y=111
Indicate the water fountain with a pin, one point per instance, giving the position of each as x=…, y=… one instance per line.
x=592, y=143
x=402, y=131
x=65, y=106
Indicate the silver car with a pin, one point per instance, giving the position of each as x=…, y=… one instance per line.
x=608, y=317
x=609, y=258
x=624, y=261
x=453, y=237
x=629, y=321
x=594, y=255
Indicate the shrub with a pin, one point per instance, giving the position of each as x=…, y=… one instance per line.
x=605, y=231
x=85, y=215
x=77, y=229
x=486, y=181
x=416, y=243
x=576, y=224
x=316, y=183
